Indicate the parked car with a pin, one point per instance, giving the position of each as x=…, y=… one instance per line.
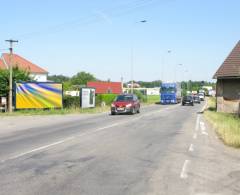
x=188, y=100
x=201, y=96
x=126, y=103
x=196, y=99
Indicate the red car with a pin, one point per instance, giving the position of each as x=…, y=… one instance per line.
x=126, y=103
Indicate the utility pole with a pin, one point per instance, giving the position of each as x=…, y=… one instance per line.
x=10, y=73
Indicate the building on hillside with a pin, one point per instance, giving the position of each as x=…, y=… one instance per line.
x=36, y=73
x=228, y=83
x=106, y=87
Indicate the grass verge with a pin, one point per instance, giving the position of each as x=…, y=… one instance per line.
x=227, y=125
x=58, y=111
x=152, y=99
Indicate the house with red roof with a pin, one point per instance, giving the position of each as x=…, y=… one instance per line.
x=228, y=83
x=106, y=87
x=36, y=72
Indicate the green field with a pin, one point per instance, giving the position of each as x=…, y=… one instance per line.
x=152, y=99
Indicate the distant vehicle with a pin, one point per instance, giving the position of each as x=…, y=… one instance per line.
x=126, y=103
x=196, y=99
x=170, y=93
x=188, y=100
x=194, y=92
x=201, y=96
x=201, y=91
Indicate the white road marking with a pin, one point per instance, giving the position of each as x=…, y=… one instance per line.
x=41, y=148
x=195, y=136
x=203, y=128
x=197, y=123
x=58, y=142
x=191, y=148
x=184, y=174
x=71, y=138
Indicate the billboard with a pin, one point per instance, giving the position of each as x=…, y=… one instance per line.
x=87, y=97
x=38, y=95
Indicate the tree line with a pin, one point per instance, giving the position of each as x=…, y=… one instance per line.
x=80, y=79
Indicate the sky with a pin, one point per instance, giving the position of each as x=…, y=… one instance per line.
x=181, y=40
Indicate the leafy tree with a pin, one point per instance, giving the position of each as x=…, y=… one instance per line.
x=18, y=75
x=67, y=86
x=82, y=78
x=150, y=84
x=58, y=78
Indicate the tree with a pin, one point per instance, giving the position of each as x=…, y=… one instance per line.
x=18, y=75
x=82, y=78
x=149, y=84
x=58, y=78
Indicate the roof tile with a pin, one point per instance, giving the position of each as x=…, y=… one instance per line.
x=231, y=65
x=106, y=87
x=21, y=63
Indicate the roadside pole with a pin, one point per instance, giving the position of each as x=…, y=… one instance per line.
x=132, y=57
x=10, y=74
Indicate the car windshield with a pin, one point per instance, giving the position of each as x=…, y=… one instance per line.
x=124, y=98
x=187, y=98
x=168, y=90
x=196, y=97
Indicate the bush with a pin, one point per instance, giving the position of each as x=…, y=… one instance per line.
x=141, y=97
x=107, y=98
x=71, y=102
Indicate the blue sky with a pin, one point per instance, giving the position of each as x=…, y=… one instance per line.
x=65, y=37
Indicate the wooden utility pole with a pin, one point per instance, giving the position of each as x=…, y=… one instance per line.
x=10, y=74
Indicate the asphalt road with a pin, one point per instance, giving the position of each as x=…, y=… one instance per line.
x=165, y=150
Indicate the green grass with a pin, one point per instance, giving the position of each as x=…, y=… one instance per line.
x=227, y=125
x=57, y=111
x=152, y=99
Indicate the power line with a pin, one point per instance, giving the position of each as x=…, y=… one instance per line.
x=114, y=12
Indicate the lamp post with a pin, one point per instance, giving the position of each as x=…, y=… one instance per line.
x=132, y=59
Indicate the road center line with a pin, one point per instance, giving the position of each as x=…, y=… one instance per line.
x=184, y=174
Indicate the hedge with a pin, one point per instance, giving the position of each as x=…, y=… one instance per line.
x=71, y=102
x=107, y=98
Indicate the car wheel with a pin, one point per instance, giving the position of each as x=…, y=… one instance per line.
x=138, y=111
x=133, y=111
x=113, y=113
x=183, y=104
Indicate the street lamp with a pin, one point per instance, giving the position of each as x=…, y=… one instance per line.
x=132, y=60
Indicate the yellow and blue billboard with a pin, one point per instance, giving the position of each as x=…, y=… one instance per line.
x=41, y=95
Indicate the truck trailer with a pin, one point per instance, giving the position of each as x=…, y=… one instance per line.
x=170, y=93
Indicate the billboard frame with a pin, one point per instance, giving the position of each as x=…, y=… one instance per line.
x=80, y=96
x=34, y=82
